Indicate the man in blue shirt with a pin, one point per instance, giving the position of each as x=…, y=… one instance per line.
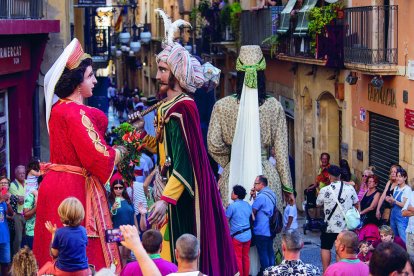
x=263, y=206
x=238, y=213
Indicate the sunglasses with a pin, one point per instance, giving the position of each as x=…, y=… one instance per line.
x=118, y=188
x=365, y=175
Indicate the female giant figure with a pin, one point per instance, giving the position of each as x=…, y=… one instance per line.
x=81, y=161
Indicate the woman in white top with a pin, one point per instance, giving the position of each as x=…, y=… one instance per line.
x=401, y=193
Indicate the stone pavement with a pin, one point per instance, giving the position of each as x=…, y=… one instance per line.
x=311, y=251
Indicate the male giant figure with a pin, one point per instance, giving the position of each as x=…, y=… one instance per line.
x=191, y=197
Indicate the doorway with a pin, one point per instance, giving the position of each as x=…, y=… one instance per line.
x=329, y=127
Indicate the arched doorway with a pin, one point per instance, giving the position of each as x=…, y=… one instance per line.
x=329, y=126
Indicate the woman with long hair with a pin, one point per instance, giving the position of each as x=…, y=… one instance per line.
x=401, y=193
x=369, y=202
x=80, y=160
x=388, y=190
x=122, y=211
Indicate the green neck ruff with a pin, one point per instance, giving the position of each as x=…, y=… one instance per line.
x=250, y=76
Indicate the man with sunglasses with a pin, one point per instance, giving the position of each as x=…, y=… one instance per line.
x=263, y=206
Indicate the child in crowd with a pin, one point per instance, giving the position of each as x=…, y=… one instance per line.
x=33, y=173
x=364, y=253
x=238, y=213
x=24, y=263
x=69, y=242
x=387, y=235
x=290, y=215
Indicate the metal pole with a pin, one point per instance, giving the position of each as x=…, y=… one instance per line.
x=36, y=122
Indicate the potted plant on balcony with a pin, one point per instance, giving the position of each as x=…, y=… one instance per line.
x=230, y=20
x=319, y=17
x=272, y=42
x=197, y=17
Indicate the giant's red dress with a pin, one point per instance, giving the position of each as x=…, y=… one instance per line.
x=81, y=161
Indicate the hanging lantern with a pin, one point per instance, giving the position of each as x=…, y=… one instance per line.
x=124, y=37
x=146, y=37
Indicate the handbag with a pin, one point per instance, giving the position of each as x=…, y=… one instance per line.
x=324, y=225
x=352, y=217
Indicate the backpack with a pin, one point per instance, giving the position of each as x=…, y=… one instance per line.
x=276, y=220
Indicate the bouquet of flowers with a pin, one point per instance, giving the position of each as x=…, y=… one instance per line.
x=131, y=139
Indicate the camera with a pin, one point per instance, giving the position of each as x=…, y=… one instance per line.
x=113, y=235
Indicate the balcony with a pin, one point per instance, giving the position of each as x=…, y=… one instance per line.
x=371, y=41
x=256, y=26
x=296, y=43
x=21, y=9
x=97, y=45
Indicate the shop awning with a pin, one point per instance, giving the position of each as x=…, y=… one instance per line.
x=303, y=18
x=285, y=17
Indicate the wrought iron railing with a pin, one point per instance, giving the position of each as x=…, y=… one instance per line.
x=21, y=9
x=258, y=25
x=371, y=35
x=329, y=46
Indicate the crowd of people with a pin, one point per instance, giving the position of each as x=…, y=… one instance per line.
x=383, y=217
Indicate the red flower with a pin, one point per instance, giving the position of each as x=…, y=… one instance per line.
x=127, y=137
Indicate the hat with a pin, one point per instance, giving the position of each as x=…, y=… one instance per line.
x=115, y=176
x=71, y=57
x=250, y=54
x=334, y=170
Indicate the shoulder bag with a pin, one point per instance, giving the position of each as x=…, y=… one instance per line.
x=352, y=216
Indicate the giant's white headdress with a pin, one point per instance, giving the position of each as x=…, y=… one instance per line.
x=186, y=68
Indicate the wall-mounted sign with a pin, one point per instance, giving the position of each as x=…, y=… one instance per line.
x=382, y=95
x=91, y=3
x=14, y=56
x=362, y=114
x=409, y=118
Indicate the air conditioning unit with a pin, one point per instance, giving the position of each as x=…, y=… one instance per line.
x=410, y=70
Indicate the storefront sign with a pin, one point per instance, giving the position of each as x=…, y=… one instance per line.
x=409, y=118
x=382, y=95
x=14, y=56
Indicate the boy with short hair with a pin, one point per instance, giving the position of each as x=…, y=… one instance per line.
x=290, y=215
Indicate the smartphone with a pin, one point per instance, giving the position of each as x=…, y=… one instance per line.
x=118, y=200
x=4, y=190
x=113, y=235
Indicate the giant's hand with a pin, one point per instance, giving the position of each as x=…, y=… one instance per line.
x=158, y=212
x=139, y=122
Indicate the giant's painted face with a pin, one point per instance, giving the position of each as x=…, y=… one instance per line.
x=163, y=76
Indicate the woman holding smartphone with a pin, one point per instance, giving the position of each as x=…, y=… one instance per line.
x=122, y=211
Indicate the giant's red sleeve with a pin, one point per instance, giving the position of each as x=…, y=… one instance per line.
x=88, y=135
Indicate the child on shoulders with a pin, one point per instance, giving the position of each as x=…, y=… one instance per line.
x=69, y=242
